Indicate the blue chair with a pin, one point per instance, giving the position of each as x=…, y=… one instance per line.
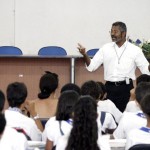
x=92, y=52
x=140, y=147
x=53, y=51
x=10, y=50
x=43, y=121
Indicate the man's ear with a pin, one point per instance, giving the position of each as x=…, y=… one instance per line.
x=123, y=34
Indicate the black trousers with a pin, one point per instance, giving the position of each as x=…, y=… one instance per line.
x=119, y=94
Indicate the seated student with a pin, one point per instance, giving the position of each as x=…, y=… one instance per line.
x=10, y=139
x=16, y=96
x=141, y=135
x=61, y=123
x=71, y=86
x=107, y=105
x=107, y=121
x=2, y=101
x=46, y=103
x=132, y=105
x=84, y=134
x=132, y=120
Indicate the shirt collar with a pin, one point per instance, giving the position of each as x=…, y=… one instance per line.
x=15, y=109
x=124, y=45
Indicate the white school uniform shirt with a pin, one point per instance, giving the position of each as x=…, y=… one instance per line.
x=18, y=120
x=132, y=107
x=109, y=106
x=138, y=136
x=103, y=142
x=52, y=129
x=109, y=122
x=128, y=122
x=117, y=70
x=12, y=140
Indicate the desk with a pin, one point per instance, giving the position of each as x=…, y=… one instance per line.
x=29, y=69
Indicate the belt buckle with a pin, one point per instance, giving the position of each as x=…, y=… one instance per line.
x=117, y=83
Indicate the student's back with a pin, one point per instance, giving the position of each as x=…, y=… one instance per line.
x=141, y=135
x=10, y=139
x=84, y=134
x=93, y=89
x=61, y=124
x=16, y=96
x=45, y=104
x=130, y=120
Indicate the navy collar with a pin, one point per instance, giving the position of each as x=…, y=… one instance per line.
x=146, y=129
x=140, y=114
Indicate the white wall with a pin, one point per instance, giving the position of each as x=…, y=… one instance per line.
x=38, y=23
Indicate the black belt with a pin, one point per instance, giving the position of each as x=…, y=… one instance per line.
x=117, y=83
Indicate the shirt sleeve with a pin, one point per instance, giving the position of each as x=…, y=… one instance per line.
x=96, y=61
x=109, y=122
x=142, y=62
x=119, y=132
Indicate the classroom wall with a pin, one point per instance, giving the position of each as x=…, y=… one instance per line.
x=32, y=24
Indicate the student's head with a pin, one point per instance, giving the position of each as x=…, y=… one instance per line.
x=84, y=133
x=16, y=94
x=2, y=123
x=145, y=105
x=2, y=101
x=91, y=88
x=142, y=78
x=48, y=84
x=118, y=31
x=71, y=86
x=141, y=90
x=65, y=104
x=103, y=92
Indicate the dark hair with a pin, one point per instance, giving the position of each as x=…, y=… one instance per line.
x=16, y=94
x=71, y=86
x=103, y=91
x=142, y=78
x=84, y=133
x=141, y=90
x=122, y=26
x=145, y=104
x=2, y=101
x=91, y=88
x=65, y=104
x=48, y=84
x=2, y=123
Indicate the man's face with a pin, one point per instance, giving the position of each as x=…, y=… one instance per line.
x=117, y=35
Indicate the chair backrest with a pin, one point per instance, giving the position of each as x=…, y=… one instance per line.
x=92, y=52
x=140, y=147
x=53, y=51
x=10, y=50
x=43, y=121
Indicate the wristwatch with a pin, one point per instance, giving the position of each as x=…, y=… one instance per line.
x=36, y=117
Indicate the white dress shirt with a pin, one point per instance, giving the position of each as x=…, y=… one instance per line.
x=128, y=122
x=137, y=136
x=109, y=106
x=103, y=142
x=132, y=107
x=52, y=129
x=12, y=140
x=18, y=120
x=119, y=63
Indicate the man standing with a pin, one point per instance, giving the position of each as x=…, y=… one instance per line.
x=120, y=59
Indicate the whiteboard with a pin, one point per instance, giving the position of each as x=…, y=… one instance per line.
x=38, y=23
